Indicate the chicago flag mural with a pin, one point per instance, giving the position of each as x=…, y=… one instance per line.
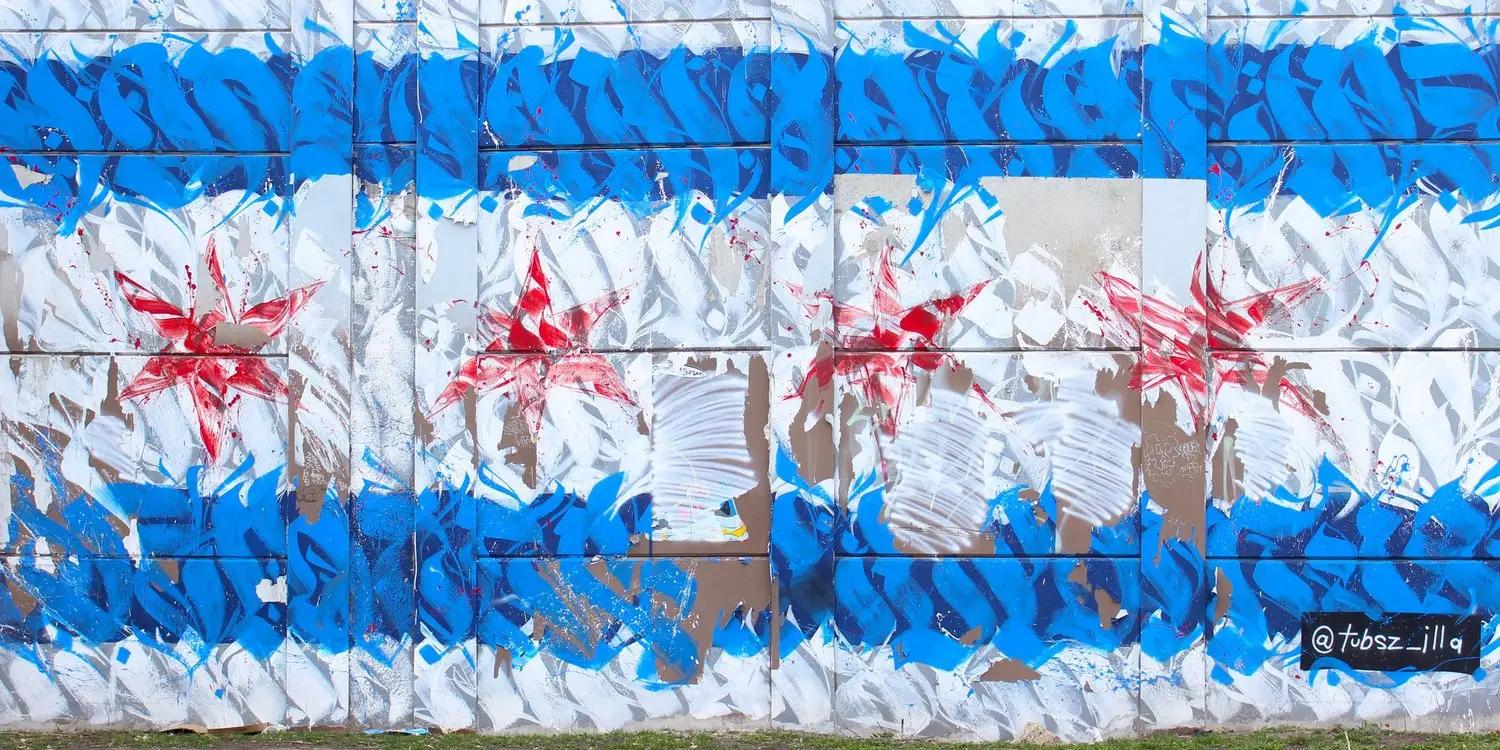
x=940, y=367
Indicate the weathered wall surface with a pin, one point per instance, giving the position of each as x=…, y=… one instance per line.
x=922, y=366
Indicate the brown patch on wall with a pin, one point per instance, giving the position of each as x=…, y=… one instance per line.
x=311, y=477
x=754, y=506
x=1074, y=535
x=1038, y=386
x=503, y=660
x=594, y=619
x=20, y=598
x=640, y=542
x=54, y=514
x=1223, y=594
x=813, y=447
x=777, y=621
x=23, y=538
x=518, y=445
x=1009, y=670
x=1114, y=383
x=1173, y=466
x=1275, y=374
x=960, y=378
x=248, y=338
x=1106, y=604
x=471, y=413
x=723, y=587
x=625, y=590
x=1109, y=608
x=703, y=362
x=120, y=526
x=1037, y=511
x=173, y=569
x=972, y=637
x=75, y=413
x=423, y=427
x=111, y=405
x=1079, y=575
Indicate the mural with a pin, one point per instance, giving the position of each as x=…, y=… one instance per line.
x=934, y=367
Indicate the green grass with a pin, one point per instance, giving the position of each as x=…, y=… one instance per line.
x=1329, y=739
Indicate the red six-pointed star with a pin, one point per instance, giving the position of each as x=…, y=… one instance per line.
x=1176, y=342
x=896, y=334
x=550, y=352
x=221, y=336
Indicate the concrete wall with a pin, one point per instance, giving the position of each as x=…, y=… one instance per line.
x=925, y=366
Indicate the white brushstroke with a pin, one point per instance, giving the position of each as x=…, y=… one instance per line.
x=934, y=495
x=698, y=454
x=1281, y=693
x=271, y=589
x=444, y=687
x=1081, y=694
x=548, y=694
x=1260, y=443
x=1089, y=446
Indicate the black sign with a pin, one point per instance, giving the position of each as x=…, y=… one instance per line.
x=1423, y=642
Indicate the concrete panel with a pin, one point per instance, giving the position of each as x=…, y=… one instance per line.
x=148, y=645
x=199, y=270
x=196, y=15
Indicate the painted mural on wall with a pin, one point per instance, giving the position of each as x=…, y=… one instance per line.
x=923, y=366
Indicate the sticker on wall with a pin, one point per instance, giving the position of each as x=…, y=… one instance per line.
x=1410, y=641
